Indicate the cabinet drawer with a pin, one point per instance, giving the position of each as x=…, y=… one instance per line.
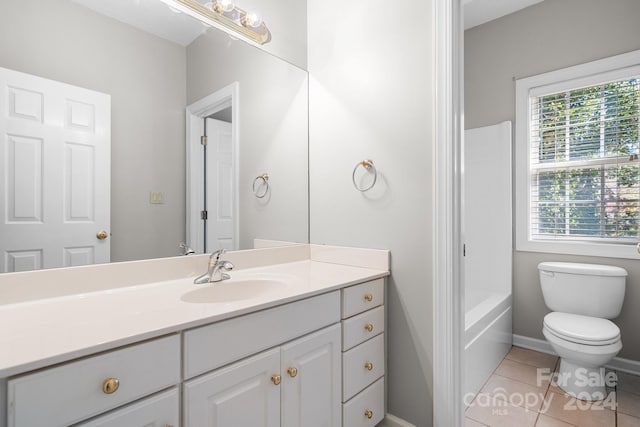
x=359, y=298
x=213, y=346
x=362, y=327
x=74, y=391
x=361, y=366
x=369, y=403
x=162, y=409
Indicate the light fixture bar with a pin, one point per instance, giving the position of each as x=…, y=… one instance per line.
x=260, y=34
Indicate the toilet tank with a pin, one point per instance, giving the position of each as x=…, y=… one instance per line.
x=587, y=289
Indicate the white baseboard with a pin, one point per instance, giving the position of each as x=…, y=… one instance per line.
x=393, y=421
x=618, y=363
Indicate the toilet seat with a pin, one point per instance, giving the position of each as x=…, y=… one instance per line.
x=580, y=329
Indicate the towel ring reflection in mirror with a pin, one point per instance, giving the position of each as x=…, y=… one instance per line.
x=370, y=168
x=261, y=181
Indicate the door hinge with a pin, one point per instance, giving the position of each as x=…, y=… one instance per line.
x=204, y=140
x=204, y=215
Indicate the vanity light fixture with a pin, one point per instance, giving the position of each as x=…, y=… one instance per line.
x=226, y=16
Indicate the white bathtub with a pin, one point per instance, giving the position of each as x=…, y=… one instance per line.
x=487, y=337
x=488, y=248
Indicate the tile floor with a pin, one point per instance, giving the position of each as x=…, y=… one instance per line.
x=519, y=394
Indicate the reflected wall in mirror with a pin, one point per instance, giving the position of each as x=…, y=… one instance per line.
x=150, y=76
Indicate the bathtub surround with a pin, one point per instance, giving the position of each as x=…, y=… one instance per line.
x=488, y=249
x=500, y=50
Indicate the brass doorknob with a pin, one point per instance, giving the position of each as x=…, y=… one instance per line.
x=110, y=385
x=368, y=414
x=276, y=379
x=368, y=327
x=292, y=372
x=102, y=234
x=368, y=297
x=368, y=366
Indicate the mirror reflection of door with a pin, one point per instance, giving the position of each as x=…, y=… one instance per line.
x=219, y=186
x=55, y=160
x=212, y=171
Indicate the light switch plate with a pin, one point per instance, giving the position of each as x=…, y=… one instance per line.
x=156, y=197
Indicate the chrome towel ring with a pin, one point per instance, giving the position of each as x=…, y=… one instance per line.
x=370, y=168
x=261, y=181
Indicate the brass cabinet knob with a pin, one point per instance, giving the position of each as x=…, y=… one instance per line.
x=101, y=235
x=368, y=413
x=110, y=385
x=368, y=297
x=292, y=372
x=276, y=379
x=368, y=366
x=368, y=327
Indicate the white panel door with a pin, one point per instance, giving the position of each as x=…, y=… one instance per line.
x=220, y=186
x=312, y=372
x=54, y=189
x=242, y=394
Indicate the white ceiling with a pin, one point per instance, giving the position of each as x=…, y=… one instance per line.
x=477, y=12
x=152, y=16
x=157, y=18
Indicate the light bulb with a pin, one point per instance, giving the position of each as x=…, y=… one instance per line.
x=222, y=6
x=252, y=19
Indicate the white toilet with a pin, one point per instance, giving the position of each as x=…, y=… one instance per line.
x=583, y=297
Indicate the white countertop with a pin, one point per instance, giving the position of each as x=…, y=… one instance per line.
x=43, y=332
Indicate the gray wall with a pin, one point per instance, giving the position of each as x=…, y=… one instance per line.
x=551, y=35
x=287, y=21
x=273, y=132
x=145, y=77
x=370, y=92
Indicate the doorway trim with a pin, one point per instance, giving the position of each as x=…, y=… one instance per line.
x=448, y=292
x=229, y=96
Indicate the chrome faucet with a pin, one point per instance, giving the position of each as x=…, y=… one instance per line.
x=216, y=270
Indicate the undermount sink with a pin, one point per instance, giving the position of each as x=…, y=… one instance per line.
x=234, y=290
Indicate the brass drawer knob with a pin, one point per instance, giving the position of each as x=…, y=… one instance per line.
x=292, y=372
x=110, y=385
x=368, y=413
x=368, y=366
x=368, y=297
x=368, y=327
x=276, y=379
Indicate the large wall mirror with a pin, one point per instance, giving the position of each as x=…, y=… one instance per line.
x=150, y=81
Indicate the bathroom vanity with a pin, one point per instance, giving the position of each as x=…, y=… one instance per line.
x=295, y=338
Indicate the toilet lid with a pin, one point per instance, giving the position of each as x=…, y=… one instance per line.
x=582, y=329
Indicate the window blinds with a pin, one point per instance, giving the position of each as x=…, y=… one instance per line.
x=584, y=163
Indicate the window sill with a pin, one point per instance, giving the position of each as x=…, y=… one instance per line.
x=608, y=250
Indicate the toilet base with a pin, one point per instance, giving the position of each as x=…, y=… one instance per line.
x=584, y=383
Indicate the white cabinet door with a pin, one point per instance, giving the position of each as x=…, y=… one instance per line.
x=311, y=372
x=243, y=394
x=161, y=410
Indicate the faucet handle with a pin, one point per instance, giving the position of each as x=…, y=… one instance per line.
x=226, y=265
x=217, y=254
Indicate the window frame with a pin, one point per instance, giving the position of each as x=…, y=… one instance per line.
x=589, y=74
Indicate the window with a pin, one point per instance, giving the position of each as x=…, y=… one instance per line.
x=577, y=166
